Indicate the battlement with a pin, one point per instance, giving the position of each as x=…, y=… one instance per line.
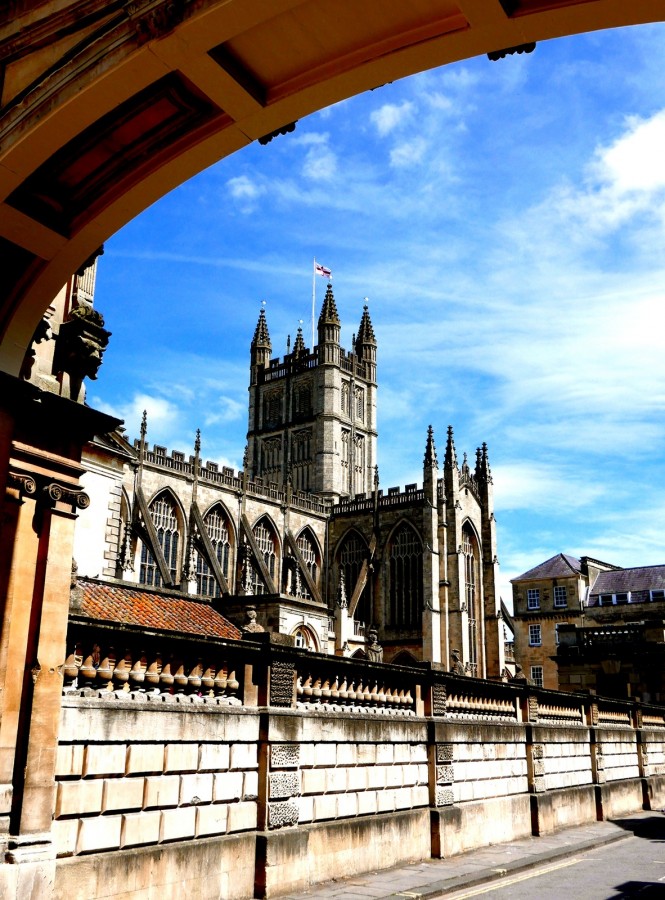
x=395, y=497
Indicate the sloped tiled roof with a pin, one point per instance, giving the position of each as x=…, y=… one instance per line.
x=641, y=578
x=130, y=605
x=558, y=566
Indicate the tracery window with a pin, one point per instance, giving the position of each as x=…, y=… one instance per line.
x=346, y=437
x=272, y=454
x=359, y=464
x=165, y=520
x=351, y=556
x=345, y=398
x=406, y=579
x=217, y=527
x=360, y=404
x=272, y=409
x=265, y=540
x=471, y=558
x=307, y=549
x=302, y=400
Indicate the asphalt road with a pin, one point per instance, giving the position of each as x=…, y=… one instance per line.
x=628, y=868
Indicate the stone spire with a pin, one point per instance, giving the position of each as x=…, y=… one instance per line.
x=450, y=458
x=261, y=347
x=430, y=460
x=366, y=336
x=485, y=471
x=299, y=345
x=329, y=329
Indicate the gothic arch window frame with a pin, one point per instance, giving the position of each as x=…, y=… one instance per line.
x=258, y=587
x=365, y=596
x=473, y=592
x=404, y=658
x=202, y=570
x=144, y=558
x=414, y=621
x=309, y=638
x=318, y=553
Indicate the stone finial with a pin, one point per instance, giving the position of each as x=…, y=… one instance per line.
x=251, y=626
x=144, y=425
x=329, y=314
x=365, y=332
x=342, y=599
x=450, y=458
x=197, y=443
x=261, y=337
x=299, y=344
x=430, y=460
x=485, y=464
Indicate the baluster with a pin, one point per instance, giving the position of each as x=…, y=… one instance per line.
x=137, y=673
x=153, y=673
x=105, y=670
x=194, y=678
x=334, y=692
x=221, y=680
x=180, y=680
x=208, y=682
x=166, y=678
x=232, y=684
x=316, y=690
x=344, y=692
x=121, y=673
x=70, y=669
x=326, y=692
x=307, y=689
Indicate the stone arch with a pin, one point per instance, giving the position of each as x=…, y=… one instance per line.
x=351, y=550
x=404, y=658
x=84, y=159
x=170, y=526
x=222, y=535
x=306, y=638
x=266, y=536
x=403, y=556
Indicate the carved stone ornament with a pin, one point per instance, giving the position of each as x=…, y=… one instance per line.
x=26, y=484
x=81, y=343
x=154, y=20
x=251, y=626
x=60, y=493
x=374, y=648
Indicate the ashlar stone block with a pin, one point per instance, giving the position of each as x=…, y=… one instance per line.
x=227, y=786
x=122, y=793
x=79, y=798
x=178, y=824
x=212, y=819
x=244, y=756
x=181, y=758
x=99, y=833
x=104, y=759
x=69, y=760
x=214, y=757
x=242, y=816
x=196, y=788
x=145, y=758
x=161, y=791
x=65, y=836
x=140, y=828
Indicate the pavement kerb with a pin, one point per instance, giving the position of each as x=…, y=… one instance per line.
x=458, y=882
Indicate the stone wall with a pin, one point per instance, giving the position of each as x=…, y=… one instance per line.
x=343, y=766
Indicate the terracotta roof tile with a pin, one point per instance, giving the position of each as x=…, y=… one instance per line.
x=137, y=606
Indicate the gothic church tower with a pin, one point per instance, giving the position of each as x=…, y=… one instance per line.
x=312, y=415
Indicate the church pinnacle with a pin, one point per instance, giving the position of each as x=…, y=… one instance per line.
x=299, y=343
x=329, y=314
x=450, y=459
x=365, y=332
x=430, y=460
x=261, y=337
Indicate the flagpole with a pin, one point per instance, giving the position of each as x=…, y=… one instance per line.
x=313, y=300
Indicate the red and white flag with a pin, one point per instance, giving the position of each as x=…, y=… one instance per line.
x=322, y=270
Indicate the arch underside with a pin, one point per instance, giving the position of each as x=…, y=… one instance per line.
x=106, y=106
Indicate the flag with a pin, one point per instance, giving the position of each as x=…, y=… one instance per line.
x=322, y=270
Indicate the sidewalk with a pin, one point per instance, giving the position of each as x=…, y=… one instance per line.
x=431, y=878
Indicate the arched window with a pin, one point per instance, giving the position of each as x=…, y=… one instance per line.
x=471, y=556
x=305, y=640
x=352, y=553
x=295, y=584
x=267, y=544
x=406, y=578
x=217, y=526
x=165, y=520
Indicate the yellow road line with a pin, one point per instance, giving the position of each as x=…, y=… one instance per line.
x=485, y=889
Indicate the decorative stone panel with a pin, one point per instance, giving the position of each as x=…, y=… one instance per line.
x=444, y=775
x=533, y=709
x=444, y=753
x=281, y=683
x=538, y=751
x=444, y=796
x=538, y=767
x=284, y=784
x=439, y=700
x=282, y=814
x=284, y=756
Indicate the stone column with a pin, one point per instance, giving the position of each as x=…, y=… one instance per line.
x=41, y=439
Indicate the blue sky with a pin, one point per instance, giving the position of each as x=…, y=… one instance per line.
x=506, y=221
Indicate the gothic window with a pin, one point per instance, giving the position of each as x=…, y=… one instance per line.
x=165, y=520
x=346, y=438
x=359, y=464
x=272, y=409
x=267, y=544
x=360, y=404
x=308, y=552
x=471, y=557
x=406, y=579
x=302, y=401
x=217, y=526
x=272, y=455
x=346, y=406
x=533, y=598
x=351, y=556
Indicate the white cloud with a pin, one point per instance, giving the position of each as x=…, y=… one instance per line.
x=224, y=409
x=634, y=162
x=409, y=153
x=391, y=116
x=243, y=188
x=320, y=163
